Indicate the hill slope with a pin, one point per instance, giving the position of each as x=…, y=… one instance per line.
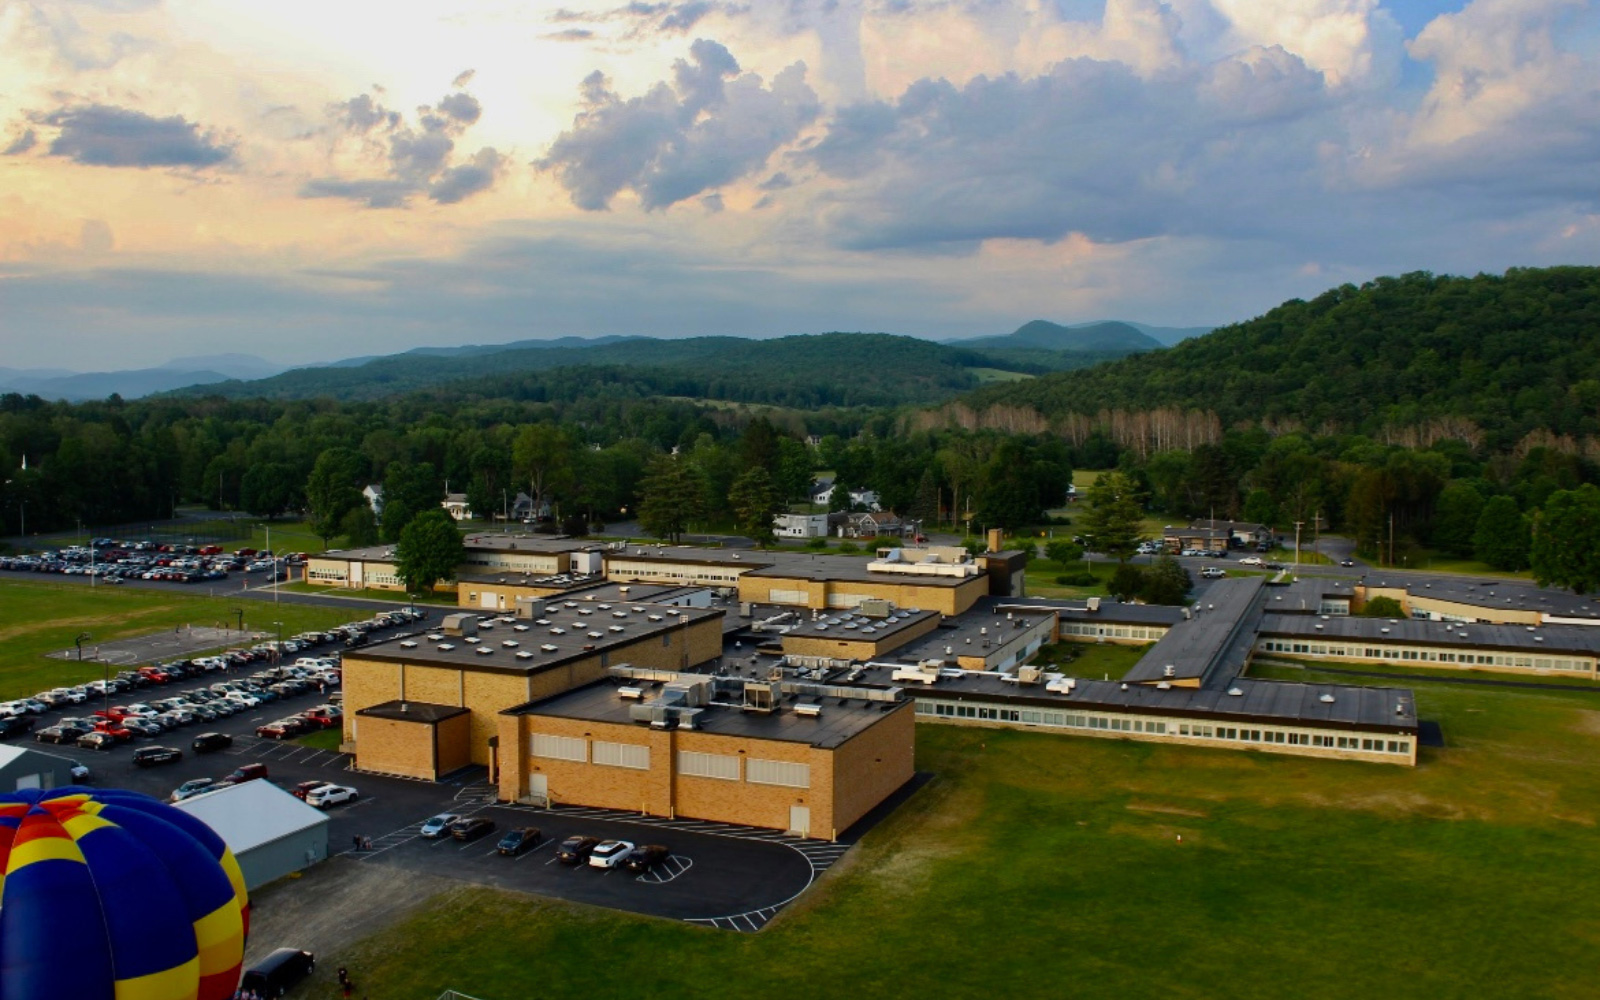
x=1110, y=336
x=832, y=369
x=1511, y=353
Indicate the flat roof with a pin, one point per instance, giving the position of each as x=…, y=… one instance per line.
x=852, y=569
x=413, y=711
x=850, y=626
x=252, y=813
x=480, y=542
x=838, y=721
x=747, y=558
x=1307, y=593
x=1195, y=648
x=1262, y=701
x=1500, y=595
x=1582, y=639
x=511, y=578
x=561, y=630
x=966, y=635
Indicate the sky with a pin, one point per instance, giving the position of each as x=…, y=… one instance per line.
x=310, y=181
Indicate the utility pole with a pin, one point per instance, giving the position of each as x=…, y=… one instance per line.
x=1297, y=525
x=1391, y=538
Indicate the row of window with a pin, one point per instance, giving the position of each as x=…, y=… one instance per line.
x=647, y=572
x=331, y=575
x=1114, y=631
x=1114, y=723
x=727, y=767
x=1428, y=656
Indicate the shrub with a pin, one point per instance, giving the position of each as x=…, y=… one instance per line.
x=1077, y=580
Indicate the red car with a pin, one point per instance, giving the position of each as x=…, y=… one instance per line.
x=305, y=788
x=156, y=674
x=322, y=717
x=248, y=772
x=115, y=713
x=116, y=732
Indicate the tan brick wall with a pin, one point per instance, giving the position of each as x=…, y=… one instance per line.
x=513, y=758
x=435, y=685
x=454, y=740
x=366, y=683
x=752, y=804
x=858, y=649
x=870, y=766
x=390, y=746
x=598, y=785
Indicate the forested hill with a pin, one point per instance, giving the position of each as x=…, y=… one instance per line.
x=831, y=369
x=1503, y=355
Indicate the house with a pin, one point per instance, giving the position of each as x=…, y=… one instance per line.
x=524, y=509
x=800, y=525
x=1190, y=539
x=867, y=499
x=873, y=525
x=373, y=493
x=455, y=504
x=1243, y=533
x=821, y=489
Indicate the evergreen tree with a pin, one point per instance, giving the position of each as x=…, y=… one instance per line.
x=671, y=496
x=430, y=549
x=1166, y=582
x=1455, y=518
x=755, y=503
x=1113, y=519
x=1502, y=538
x=925, y=506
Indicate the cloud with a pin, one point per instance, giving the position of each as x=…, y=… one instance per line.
x=570, y=35
x=95, y=236
x=419, y=155
x=709, y=127
x=463, y=78
x=103, y=135
x=22, y=143
x=687, y=15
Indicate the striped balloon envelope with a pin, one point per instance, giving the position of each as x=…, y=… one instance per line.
x=112, y=895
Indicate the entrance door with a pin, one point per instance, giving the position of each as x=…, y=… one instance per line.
x=539, y=789
x=487, y=600
x=800, y=820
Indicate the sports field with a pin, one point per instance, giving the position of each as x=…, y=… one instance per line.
x=41, y=618
x=1047, y=866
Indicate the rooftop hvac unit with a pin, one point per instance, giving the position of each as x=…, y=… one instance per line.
x=1029, y=675
x=548, y=648
x=809, y=709
x=635, y=693
x=762, y=698
x=445, y=647
x=509, y=643
x=1094, y=604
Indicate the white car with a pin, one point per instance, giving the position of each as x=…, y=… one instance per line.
x=331, y=795
x=1250, y=561
x=439, y=826
x=12, y=709
x=609, y=853
x=1213, y=572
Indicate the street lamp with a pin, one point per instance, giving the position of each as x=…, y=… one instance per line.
x=277, y=651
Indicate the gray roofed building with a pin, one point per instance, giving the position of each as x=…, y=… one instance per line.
x=1208, y=644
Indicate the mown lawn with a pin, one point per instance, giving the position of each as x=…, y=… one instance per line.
x=322, y=739
x=1050, y=866
x=39, y=618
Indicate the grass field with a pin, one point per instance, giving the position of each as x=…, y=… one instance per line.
x=987, y=375
x=325, y=739
x=1307, y=557
x=1051, y=866
x=369, y=593
x=39, y=618
x=1091, y=661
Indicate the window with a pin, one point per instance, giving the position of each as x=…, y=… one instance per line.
x=777, y=772
x=708, y=765
x=560, y=747
x=622, y=755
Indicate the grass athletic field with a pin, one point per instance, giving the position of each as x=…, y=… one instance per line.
x=39, y=618
x=1045, y=866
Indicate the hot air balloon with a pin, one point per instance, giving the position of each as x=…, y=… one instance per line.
x=112, y=895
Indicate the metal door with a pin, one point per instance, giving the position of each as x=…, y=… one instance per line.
x=800, y=821
x=539, y=789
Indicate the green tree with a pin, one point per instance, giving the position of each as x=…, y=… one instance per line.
x=359, y=527
x=1566, y=540
x=409, y=488
x=924, y=507
x=542, y=456
x=331, y=491
x=1166, y=582
x=793, y=474
x=1062, y=551
x=1382, y=607
x=267, y=489
x=671, y=496
x=1502, y=537
x=755, y=503
x=839, y=500
x=1127, y=581
x=1259, y=508
x=759, y=445
x=430, y=550
x=1112, y=522
x=1009, y=495
x=1455, y=518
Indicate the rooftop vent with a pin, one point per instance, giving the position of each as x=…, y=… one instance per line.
x=809, y=709
x=1235, y=692
x=1169, y=671
x=548, y=648
x=408, y=644
x=1163, y=686
x=635, y=693
x=509, y=643
x=445, y=647
x=484, y=651
x=523, y=654
x=519, y=628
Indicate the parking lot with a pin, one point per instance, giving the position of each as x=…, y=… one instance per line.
x=734, y=878
x=157, y=646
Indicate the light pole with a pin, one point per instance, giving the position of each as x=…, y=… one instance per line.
x=277, y=651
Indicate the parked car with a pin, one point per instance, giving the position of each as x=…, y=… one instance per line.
x=211, y=742
x=115, y=730
x=439, y=826
x=523, y=838
x=142, y=727
x=471, y=827
x=15, y=726
x=280, y=730
x=152, y=756
x=331, y=795
x=305, y=788
x=246, y=772
x=574, y=850
x=645, y=857
x=60, y=734
x=276, y=974
x=609, y=853
x=80, y=772
x=1213, y=572
x=189, y=789
x=96, y=741
x=1347, y=562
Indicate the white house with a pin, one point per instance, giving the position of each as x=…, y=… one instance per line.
x=374, y=494
x=800, y=525
x=455, y=504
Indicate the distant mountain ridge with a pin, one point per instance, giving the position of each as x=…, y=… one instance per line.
x=1110, y=335
x=131, y=384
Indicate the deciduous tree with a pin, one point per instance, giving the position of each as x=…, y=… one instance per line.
x=430, y=549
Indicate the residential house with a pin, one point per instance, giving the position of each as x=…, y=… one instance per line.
x=800, y=525
x=455, y=504
x=374, y=496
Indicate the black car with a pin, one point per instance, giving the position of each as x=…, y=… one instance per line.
x=211, y=742
x=15, y=726
x=576, y=850
x=521, y=839
x=471, y=828
x=152, y=756
x=645, y=857
x=60, y=734
x=274, y=975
